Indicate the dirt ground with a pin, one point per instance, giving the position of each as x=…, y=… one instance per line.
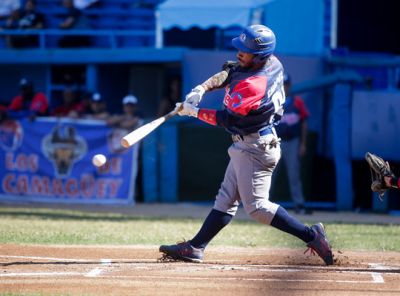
x=135, y=270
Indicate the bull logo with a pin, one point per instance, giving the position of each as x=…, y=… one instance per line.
x=63, y=147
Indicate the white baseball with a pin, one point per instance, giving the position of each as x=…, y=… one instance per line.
x=99, y=160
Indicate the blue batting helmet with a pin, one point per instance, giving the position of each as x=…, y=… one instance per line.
x=258, y=40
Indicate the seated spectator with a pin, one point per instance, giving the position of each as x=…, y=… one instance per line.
x=97, y=108
x=131, y=117
x=83, y=105
x=7, y=7
x=28, y=103
x=73, y=20
x=69, y=106
x=27, y=18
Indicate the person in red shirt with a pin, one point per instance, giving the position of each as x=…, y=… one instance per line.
x=292, y=129
x=69, y=107
x=28, y=103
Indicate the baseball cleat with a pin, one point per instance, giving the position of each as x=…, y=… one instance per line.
x=183, y=251
x=320, y=244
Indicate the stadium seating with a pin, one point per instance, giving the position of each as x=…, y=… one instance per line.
x=106, y=21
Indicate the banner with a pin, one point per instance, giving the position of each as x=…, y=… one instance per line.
x=50, y=160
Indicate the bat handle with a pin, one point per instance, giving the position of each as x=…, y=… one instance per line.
x=173, y=113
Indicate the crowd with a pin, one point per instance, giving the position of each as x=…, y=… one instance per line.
x=30, y=103
x=14, y=16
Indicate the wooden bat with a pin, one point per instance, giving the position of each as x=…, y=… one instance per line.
x=135, y=136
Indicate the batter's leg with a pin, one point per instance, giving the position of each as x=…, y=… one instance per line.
x=253, y=169
x=225, y=208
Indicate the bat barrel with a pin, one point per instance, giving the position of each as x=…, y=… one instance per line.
x=141, y=132
x=125, y=143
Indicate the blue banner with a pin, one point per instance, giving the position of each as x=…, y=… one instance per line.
x=50, y=160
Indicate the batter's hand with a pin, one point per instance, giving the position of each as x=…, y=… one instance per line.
x=186, y=109
x=195, y=96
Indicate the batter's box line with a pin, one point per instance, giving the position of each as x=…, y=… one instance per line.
x=238, y=279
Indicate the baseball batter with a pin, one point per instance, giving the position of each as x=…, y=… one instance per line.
x=253, y=103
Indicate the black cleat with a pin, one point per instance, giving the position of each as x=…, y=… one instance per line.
x=182, y=252
x=320, y=244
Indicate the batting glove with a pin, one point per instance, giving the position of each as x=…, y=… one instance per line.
x=186, y=109
x=195, y=96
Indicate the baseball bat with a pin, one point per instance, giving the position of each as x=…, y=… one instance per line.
x=135, y=136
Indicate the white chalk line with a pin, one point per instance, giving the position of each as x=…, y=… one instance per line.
x=40, y=274
x=239, y=279
x=137, y=261
x=96, y=272
x=377, y=277
x=46, y=258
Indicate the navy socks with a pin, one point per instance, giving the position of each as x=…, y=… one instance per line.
x=283, y=221
x=214, y=222
x=217, y=220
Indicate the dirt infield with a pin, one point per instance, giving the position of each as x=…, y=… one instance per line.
x=135, y=270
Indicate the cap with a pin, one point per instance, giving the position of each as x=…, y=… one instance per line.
x=96, y=97
x=129, y=99
x=24, y=82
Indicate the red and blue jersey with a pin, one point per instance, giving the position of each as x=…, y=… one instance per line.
x=296, y=112
x=253, y=100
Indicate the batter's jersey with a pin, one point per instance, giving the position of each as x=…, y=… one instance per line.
x=253, y=99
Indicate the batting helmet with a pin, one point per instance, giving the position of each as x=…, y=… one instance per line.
x=258, y=40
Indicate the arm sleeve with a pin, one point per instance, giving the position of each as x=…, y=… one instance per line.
x=207, y=115
x=222, y=118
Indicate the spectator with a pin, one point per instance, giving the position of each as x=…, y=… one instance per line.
x=28, y=103
x=84, y=104
x=292, y=129
x=97, y=108
x=7, y=7
x=27, y=18
x=69, y=106
x=131, y=117
x=82, y=4
x=73, y=20
x=172, y=96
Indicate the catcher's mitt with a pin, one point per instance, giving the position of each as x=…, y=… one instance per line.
x=379, y=169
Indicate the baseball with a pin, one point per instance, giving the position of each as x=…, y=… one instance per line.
x=99, y=160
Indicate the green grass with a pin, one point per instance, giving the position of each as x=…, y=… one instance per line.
x=63, y=227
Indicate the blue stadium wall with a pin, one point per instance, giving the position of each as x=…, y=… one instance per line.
x=169, y=172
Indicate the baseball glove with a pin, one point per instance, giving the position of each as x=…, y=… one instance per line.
x=379, y=169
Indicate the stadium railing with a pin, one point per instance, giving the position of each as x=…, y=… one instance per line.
x=145, y=37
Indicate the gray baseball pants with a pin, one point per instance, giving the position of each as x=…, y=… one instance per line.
x=248, y=177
